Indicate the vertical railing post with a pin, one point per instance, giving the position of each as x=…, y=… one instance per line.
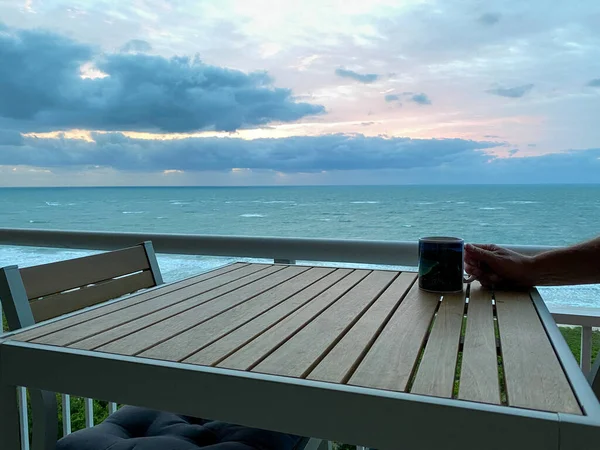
x=89, y=412
x=112, y=407
x=23, y=417
x=66, y=414
x=586, y=349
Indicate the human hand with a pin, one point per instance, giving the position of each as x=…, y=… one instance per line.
x=497, y=267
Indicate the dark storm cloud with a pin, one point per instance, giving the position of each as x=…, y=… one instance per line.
x=513, y=92
x=11, y=137
x=420, y=160
x=361, y=78
x=41, y=87
x=293, y=154
x=136, y=45
x=594, y=83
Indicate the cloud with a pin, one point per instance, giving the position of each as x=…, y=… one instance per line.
x=288, y=155
x=513, y=92
x=136, y=46
x=337, y=159
x=594, y=83
x=489, y=18
x=513, y=152
x=361, y=78
x=421, y=99
x=11, y=137
x=41, y=88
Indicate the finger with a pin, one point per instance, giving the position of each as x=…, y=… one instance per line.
x=470, y=260
x=480, y=254
x=474, y=270
x=489, y=247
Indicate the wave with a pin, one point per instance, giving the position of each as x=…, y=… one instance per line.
x=461, y=203
x=134, y=212
x=425, y=203
x=365, y=203
x=491, y=208
x=39, y=221
x=53, y=203
x=178, y=202
x=273, y=202
x=521, y=202
x=252, y=215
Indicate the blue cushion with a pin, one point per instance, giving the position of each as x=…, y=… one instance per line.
x=143, y=429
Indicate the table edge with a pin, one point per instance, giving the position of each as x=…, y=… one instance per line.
x=92, y=374
x=577, y=380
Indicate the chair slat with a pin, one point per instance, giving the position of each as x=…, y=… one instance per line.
x=52, y=278
x=66, y=302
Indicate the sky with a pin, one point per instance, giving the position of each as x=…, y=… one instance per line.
x=265, y=92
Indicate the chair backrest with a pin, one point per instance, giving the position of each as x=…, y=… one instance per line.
x=38, y=293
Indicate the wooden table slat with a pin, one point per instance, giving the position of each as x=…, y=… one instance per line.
x=125, y=303
x=189, y=342
x=119, y=323
x=219, y=350
x=342, y=359
x=435, y=375
x=390, y=361
x=250, y=354
x=534, y=376
x=301, y=352
x=146, y=338
x=479, y=370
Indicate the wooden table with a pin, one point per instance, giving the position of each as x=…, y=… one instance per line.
x=357, y=356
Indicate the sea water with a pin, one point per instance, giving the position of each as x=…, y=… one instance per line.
x=526, y=215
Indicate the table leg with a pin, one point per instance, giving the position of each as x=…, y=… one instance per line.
x=9, y=418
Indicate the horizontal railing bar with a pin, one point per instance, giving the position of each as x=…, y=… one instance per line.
x=339, y=250
x=309, y=249
x=575, y=315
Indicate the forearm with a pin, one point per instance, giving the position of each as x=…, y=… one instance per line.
x=579, y=264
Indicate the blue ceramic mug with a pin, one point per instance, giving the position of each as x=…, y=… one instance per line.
x=441, y=264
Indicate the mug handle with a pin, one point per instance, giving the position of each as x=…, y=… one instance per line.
x=470, y=279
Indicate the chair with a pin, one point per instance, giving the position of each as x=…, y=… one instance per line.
x=34, y=294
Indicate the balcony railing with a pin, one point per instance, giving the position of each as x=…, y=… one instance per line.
x=287, y=250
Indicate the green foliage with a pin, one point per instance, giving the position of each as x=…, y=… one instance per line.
x=573, y=338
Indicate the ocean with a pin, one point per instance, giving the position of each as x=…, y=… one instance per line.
x=527, y=215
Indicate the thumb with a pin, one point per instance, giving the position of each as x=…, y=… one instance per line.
x=480, y=253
